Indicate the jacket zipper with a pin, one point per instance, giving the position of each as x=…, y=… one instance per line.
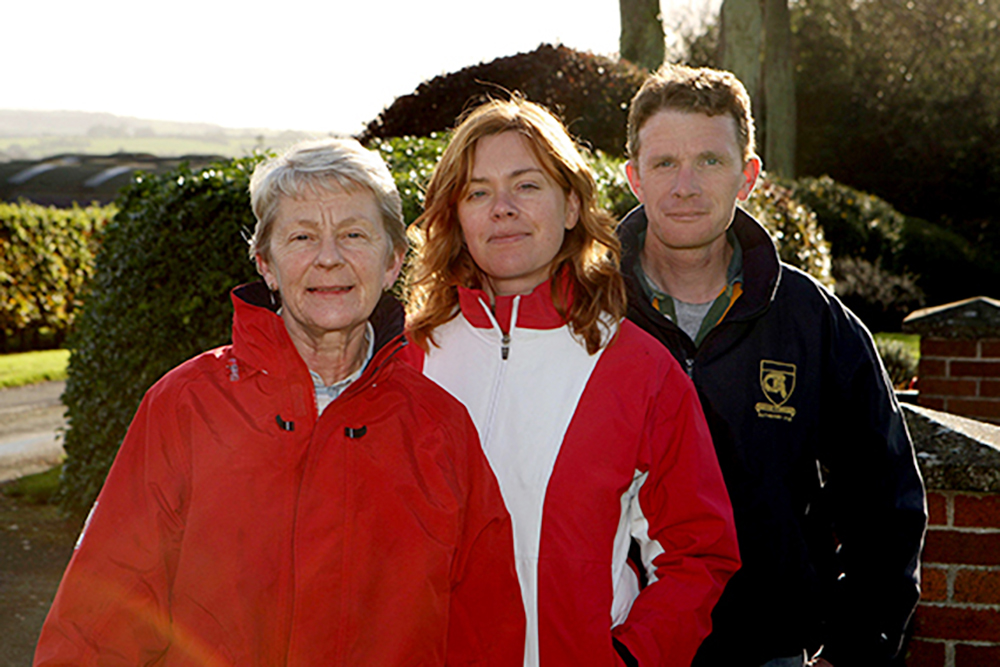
x=505, y=340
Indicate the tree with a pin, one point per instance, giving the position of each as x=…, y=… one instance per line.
x=779, y=89
x=756, y=44
x=641, y=41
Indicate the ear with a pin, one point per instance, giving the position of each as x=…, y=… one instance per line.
x=392, y=270
x=632, y=173
x=751, y=171
x=572, y=210
x=264, y=269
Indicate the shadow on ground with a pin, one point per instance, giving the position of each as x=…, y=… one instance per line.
x=36, y=542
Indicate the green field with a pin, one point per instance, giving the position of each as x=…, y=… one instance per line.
x=30, y=367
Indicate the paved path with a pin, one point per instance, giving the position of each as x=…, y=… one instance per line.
x=31, y=423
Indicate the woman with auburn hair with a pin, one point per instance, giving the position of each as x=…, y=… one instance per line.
x=594, y=432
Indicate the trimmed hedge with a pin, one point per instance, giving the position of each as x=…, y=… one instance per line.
x=160, y=295
x=793, y=227
x=591, y=93
x=46, y=257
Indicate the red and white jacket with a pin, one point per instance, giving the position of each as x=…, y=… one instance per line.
x=237, y=528
x=592, y=451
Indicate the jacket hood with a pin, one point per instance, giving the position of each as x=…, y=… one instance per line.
x=260, y=337
x=761, y=266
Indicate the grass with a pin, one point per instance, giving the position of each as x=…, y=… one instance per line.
x=911, y=341
x=36, y=489
x=23, y=368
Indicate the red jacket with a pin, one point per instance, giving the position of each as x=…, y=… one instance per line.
x=237, y=529
x=592, y=452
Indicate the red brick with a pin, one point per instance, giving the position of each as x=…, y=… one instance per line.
x=977, y=511
x=984, y=407
x=924, y=654
x=989, y=388
x=956, y=623
x=976, y=656
x=950, y=546
x=944, y=347
x=933, y=584
x=974, y=369
x=932, y=403
x=932, y=368
x=979, y=586
x=989, y=347
x=940, y=387
x=937, y=509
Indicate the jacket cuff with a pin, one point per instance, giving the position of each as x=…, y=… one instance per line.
x=624, y=653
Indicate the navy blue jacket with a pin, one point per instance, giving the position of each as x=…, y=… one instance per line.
x=829, y=503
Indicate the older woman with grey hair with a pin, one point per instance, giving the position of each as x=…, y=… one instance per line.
x=299, y=497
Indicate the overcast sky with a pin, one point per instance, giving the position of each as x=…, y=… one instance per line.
x=293, y=64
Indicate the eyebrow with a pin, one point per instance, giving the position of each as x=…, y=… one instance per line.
x=513, y=174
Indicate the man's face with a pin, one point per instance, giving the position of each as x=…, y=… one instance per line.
x=689, y=174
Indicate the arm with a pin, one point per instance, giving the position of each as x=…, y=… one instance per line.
x=875, y=496
x=683, y=522
x=112, y=607
x=487, y=623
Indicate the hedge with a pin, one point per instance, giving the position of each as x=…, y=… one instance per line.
x=160, y=295
x=46, y=257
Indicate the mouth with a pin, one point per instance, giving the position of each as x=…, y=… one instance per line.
x=332, y=289
x=508, y=237
x=685, y=215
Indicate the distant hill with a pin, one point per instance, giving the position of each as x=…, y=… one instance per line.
x=26, y=123
x=35, y=135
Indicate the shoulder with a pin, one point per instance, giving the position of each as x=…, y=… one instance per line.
x=206, y=368
x=633, y=343
x=636, y=360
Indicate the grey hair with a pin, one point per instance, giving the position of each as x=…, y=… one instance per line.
x=327, y=164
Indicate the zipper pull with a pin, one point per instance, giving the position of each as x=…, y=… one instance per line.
x=505, y=346
x=689, y=367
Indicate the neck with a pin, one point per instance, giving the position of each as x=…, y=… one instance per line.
x=334, y=355
x=692, y=275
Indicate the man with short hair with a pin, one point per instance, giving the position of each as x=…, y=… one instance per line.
x=829, y=504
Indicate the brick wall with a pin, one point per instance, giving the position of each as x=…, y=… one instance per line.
x=957, y=623
x=958, y=620
x=961, y=376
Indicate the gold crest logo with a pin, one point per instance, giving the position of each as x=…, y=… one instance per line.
x=777, y=380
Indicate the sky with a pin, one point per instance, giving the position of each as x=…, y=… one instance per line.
x=290, y=65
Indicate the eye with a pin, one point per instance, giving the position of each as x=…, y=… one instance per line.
x=528, y=185
x=664, y=163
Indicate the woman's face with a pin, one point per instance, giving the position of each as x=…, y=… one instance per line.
x=330, y=260
x=513, y=215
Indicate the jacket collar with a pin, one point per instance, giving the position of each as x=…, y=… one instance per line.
x=536, y=310
x=261, y=340
x=761, y=266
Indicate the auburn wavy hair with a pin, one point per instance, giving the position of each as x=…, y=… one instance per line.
x=590, y=254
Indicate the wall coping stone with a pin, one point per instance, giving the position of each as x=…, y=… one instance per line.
x=954, y=453
x=970, y=319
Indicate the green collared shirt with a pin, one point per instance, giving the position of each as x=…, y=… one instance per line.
x=697, y=319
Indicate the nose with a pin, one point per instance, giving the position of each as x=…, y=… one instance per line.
x=685, y=183
x=328, y=254
x=503, y=207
